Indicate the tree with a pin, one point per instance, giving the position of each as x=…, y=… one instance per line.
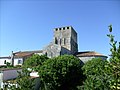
x=114, y=65
x=35, y=61
x=103, y=75
x=61, y=73
x=8, y=64
x=96, y=78
x=24, y=81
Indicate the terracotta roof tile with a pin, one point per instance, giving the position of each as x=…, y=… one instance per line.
x=88, y=54
x=26, y=53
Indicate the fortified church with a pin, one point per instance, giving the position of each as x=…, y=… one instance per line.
x=64, y=42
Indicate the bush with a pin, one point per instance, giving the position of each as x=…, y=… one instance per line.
x=35, y=61
x=96, y=75
x=61, y=73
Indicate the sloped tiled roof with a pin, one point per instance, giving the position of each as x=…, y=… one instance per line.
x=88, y=54
x=26, y=53
x=5, y=57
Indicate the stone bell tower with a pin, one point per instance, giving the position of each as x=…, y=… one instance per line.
x=67, y=38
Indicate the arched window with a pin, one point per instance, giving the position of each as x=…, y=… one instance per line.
x=56, y=41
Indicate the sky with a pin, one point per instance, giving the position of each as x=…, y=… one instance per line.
x=28, y=24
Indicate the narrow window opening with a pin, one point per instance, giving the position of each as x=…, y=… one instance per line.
x=5, y=62
x=64, y=41
x=67, y=27
x=56, y=41
x=60, y=41
x=60, y=53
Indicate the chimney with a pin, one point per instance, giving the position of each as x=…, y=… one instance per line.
x=12, y=58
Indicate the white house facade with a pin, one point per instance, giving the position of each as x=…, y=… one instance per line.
x=4, y=60
x=18, y=58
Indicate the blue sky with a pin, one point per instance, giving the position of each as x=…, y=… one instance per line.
x=28, y=24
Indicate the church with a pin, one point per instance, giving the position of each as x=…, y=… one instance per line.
x=64, y=42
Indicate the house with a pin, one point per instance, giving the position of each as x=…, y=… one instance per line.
x=21, y=56
x=4, y=60
x=18, y=58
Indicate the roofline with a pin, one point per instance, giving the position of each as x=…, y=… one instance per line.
x=90, y=55
x=28, y=51
x=5, y=57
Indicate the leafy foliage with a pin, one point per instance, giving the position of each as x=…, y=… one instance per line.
x=35, y=61
x=61, y=73
x=8, y=65
x=96, y=77
x=114, y=62
x=24, y=81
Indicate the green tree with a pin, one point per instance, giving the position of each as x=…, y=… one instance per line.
x=8, y=64
x=24, y=81
x=96, y=77
x=114, y=65
x=61, y=73
x=35, y=61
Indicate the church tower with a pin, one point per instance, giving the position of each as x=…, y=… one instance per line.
x=67, y=38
